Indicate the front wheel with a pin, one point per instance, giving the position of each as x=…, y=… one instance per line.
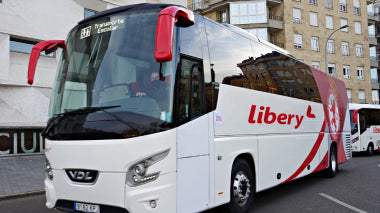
x=242, y=187
x=370, y=150
x=333, y=168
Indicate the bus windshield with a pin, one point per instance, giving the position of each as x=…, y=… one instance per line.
x=354, y=126
x=108, y=84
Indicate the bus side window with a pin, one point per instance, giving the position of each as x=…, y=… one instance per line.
x=191, y=92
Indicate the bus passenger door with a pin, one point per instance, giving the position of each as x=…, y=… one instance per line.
x=192, y=138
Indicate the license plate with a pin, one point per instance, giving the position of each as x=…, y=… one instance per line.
x=84, y=207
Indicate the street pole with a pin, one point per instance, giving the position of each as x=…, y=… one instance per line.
x=342, y=27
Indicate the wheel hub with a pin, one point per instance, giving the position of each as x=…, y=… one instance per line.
x=241, y=188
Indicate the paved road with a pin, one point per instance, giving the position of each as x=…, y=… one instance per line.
x=356, y=188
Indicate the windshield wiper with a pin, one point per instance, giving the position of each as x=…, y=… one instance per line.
x=86, y=110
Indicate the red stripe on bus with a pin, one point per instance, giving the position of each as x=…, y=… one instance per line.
x=311, y=155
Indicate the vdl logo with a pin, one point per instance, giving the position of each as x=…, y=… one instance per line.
x=82, y=176
x=85, y=32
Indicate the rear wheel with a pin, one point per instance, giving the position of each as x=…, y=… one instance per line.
x=370, y=149
x=333, y=168
x=242, y=187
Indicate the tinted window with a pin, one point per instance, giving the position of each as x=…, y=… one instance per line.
x=238, y=61
x=190, y=42
x=191, y=94
x=227, y=50
x=279, y=74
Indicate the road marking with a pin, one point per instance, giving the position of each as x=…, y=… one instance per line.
x=342, y=203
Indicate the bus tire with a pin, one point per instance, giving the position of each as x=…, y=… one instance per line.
x=242, y=187
x=370, y=149
x=333, y=167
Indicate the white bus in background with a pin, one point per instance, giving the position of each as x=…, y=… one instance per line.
x=365, y=127
x=157, y=109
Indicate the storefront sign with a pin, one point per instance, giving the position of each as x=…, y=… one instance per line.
x=18, y=140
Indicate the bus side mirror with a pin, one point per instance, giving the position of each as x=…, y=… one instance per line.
x=355, y=116
x=48, y=47
x=167, y=19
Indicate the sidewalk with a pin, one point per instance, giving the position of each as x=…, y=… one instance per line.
x=21, y=175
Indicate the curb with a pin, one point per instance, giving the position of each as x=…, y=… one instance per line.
x=25, y=194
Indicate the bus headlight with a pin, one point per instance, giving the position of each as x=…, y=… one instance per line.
x=136, y=174
x=48, y=170
x=355, y=140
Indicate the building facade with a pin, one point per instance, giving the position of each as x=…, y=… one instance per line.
x=303, y=27
x=24, y=108
x=374, y=33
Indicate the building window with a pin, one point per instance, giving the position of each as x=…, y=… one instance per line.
x=360, y=72
x=331, y=69
x=24, y=46
x=248, y=12
x=358, y=27
x=297, y=15
x=374, y=76
x=197, y=4
x=371, y=31
x=372, y=53
x=370, y=10
x=342, y=6
x=222, y=16
x=314, y=44
x=359, y=50
x=330, y=46
x=345, y=48
x=88, y=13
x=316, y=65
x=349, y=95
x=328, y=3
x=357, y=7
x=313, y=2
x=342, y=23
x=375, y=96
x=329, y=22
x=361, y=96
x=313, y=19
x=346, y=71
x=298, y=41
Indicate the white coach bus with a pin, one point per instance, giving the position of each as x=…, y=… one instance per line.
x=157, y=109
x=365, y=127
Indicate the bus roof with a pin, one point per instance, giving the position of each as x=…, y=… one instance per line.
x=363, y=106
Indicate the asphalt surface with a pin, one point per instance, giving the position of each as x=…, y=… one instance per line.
x=356, y=188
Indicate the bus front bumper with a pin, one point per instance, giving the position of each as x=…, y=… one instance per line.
x=112, y=193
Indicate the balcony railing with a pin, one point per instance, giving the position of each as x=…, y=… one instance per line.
x=223, y=20
x=277, y=18
x=313, y=2
x=297, y=46
x=297, y=20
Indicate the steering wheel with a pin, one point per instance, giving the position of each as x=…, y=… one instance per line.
x=128, y=90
